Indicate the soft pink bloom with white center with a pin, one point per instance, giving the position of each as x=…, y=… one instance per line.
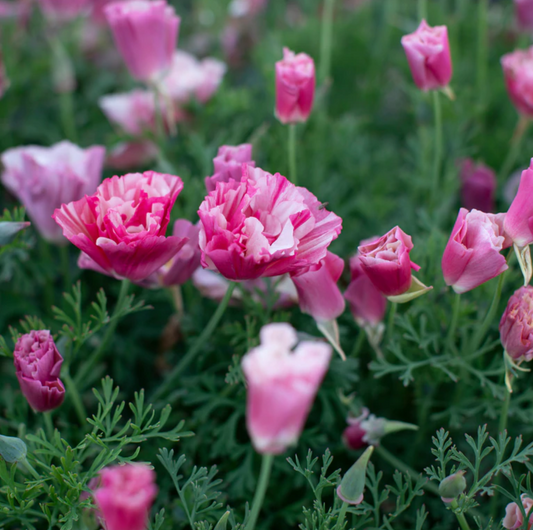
x=478, y=186
x=367, y=304
x=228, y=164
x=43, y=178
x=524, y=14
x=125, y=496
x=129, y=155
x=264, y=226
x=514, y=519
x=472, y=255
x=122, y=226
x=318, y=293
x=146, y=34
x=519, y=218
x=428, y=55
x=387, y=263
x=38, y=365
x=282, y=385
x=64, y=9
x=295, y=87
x=518, y=73
x=516, y=325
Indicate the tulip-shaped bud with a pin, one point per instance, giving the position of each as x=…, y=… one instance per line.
x=43, y=178
x=146, y=35
x=451, y=487
x=387, y=263
x=524, y=14
x=516, y=325
x=295, y=87
x=38, y=366
x=478, y=184
x=352, y=486
x=125, y=496
x=516, y=70
x=428, y=54
x=514, y=518
x=228, y=164
x=472, y=255
x=282, y=385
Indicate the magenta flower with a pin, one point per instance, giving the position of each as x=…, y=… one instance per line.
x=43, y=178
x=428, y=55
x=295, y=87
x=517, y=67
x=514, y=519
x=282, y=385
x=38, y=365
x=478, y=185
x=264, y=226
x=318, y=293
x=125, y=496
x=354, y=436
x=472, y=255
x=122, y=227
x=387, y=263
x=146, y=34
x=524, y=14
x=518, y=223
x=228, y=164
x=516, y=326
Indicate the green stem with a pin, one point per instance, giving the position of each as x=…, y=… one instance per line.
x=482, y=49
x=438, y=144
x=31, y=469
x=49, y=425
x=68, y=119
x=326, y=40
x=49, y=281
x=65, y=265
x=516, y=142
x=401, y=466
x=505, y=411
x=74, y=395
x=87, y=368
x=342, y=516
x=358, y=344
x=422, y=9
x=390, y=322
x=198, y=345
x=455, y=318
x=264, y=476
x=293, y=171
x=462, y=521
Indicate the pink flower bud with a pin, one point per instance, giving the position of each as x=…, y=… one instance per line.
x=122, y=226
x=228, y=164
x=146, y=35
x=38, y=365
x=472, y=255
x=125, y=496
x=516, y=326
x=518, y=223
x=354, y=435
x=367, y=304
x=428, y=54
x=387, y=263
x=518, y=80
x=45, y=177
x=282, y=385
x=524, y=14
x=295, y=87
x=318, y=293
x=478, y=186
x=514, y=519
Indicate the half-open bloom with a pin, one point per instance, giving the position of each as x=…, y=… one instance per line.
x=514, y=519
x=516, y=325
x=518, y=72
x=228, y=164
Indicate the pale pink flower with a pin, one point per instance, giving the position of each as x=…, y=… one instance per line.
x=228, y=164
x=514, y=519
x=518, y=73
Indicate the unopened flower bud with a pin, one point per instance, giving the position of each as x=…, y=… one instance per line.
x=352, y=485
x=451, y=487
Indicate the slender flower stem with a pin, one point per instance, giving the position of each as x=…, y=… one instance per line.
x=65, y=265
x=438, y=144
x=460, y=517
x=74, y=395
x=326, y=40
x=293, y=171
x=44, y=250
x=482, y=49
x=505, y=411
x=86, y=368
x=31, y=469
x=516, y=142
x=422, y=9
x=198, y=345
x=342, y=516
x=262, y=485
x=390, y=321
x=49, y=424
x=455, y=318
x=68, y=120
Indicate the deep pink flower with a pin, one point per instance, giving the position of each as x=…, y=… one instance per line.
x=428, y=54
x=146, y=34
x=524, y=14
x=43, y=178
x=519, y=219
x=228, y=164
x=387, y=263
x=517, y=70
x=64, y=9
x=264, y=226
x=516, y=325
x=472, y=255
x=38, y=366
x=367, y=303
x=125, y=496
x=122, y=227
x=318, y=293
x=295, y=87
x=514, y=519
x=478, y=186
x=354, y=435
x=282, y=385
